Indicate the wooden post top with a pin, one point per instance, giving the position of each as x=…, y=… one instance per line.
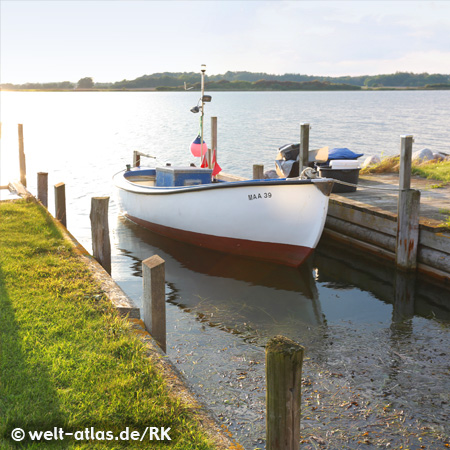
x=153, y=261
x=282, y=344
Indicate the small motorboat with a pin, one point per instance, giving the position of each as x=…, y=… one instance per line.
x=277, y=220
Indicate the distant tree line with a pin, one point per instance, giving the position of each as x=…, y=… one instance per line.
x=252, y=81
x=405, y=79
x=83, y=83
x=170, y=79
x=267, y=85
x=39, y=86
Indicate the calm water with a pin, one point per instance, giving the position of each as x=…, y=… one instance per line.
x=376, y=353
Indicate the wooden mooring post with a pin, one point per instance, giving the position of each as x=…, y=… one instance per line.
x=101, y=244
x=42, y=188
x=22, y=163
x=303, y=158
x=60, y=203
x=136, y=158
x=404, y=295
x=408, y=211
x=284, y=360
x=213, y=142
x=258, y=171
x=404, y=178
x=154, y=298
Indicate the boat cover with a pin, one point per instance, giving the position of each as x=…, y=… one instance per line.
x=342, y=153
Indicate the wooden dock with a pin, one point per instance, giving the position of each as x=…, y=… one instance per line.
x=367, y=219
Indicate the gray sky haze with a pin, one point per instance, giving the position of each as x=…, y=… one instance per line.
x=43, y=41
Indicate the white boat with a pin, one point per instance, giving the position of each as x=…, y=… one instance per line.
x=277, y=220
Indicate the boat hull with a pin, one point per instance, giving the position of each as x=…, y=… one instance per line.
x=290, y=255
x=279, y=221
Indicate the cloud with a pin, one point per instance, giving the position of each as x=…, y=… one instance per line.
x=45, y=41
x=340, y=38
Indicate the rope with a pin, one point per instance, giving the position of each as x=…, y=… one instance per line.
x=311, y=173
x=366, y=187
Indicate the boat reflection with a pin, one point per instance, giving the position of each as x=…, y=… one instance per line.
x=262, y=299
x=241, y=294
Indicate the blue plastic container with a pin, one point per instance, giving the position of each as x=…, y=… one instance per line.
x=182, y=176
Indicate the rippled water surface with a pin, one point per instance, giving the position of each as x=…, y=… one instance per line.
x=377, y=343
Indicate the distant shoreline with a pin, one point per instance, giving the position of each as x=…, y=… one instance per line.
x=244, y=81
x=163, y=89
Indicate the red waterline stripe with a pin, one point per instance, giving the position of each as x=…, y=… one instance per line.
x=290, y=255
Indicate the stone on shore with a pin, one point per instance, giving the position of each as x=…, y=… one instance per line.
x=422, y=155
x=371, y=161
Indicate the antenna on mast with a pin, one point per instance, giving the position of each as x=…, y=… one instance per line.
x=200, y=107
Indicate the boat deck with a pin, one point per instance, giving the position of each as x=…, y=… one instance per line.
x=142, y=180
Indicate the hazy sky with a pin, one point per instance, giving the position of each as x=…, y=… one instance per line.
x=124, y=39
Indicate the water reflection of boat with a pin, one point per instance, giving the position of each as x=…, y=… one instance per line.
x=233, y=289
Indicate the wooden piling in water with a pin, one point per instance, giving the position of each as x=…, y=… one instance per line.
x=101, y=244
x=304, y=147
x=404, y=294
x=407, y=229
x=408, y=211
x=284, y=359
x=22, y=164
x=60, y=203
x=258, y=171
x=136, y=158
x=154, y=298
x=42, y=188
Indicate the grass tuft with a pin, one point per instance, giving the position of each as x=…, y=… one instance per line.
x=389, y=164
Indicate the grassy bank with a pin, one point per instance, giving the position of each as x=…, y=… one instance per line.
x=66, y=358
x=439, y=171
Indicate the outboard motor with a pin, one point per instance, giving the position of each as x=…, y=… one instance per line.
x=286, y=162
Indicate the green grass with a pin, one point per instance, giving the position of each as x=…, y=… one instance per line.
x=446, y=211
x=66, y=358
x=436, y=171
